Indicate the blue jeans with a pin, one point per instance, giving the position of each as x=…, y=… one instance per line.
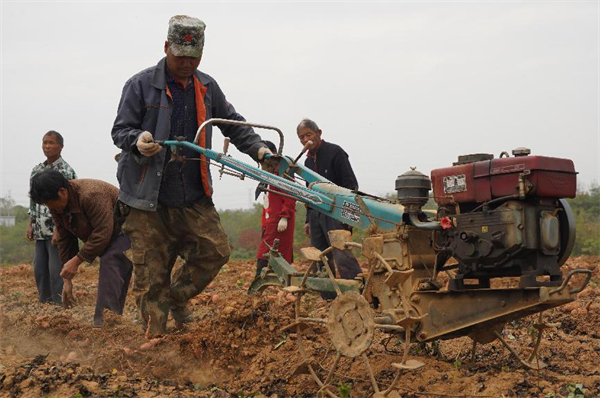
x=46, y=268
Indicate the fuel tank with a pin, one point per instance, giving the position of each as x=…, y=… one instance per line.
x=479, y=178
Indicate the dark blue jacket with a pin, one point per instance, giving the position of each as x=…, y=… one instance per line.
x=332, y=163
x=146, y=106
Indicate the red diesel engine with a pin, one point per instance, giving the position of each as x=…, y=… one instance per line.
x=509, y=217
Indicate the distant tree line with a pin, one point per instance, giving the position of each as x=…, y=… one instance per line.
x=243, y=229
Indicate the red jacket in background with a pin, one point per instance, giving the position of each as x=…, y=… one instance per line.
x=279, y=207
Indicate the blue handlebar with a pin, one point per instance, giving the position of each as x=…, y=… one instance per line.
x=352, y=208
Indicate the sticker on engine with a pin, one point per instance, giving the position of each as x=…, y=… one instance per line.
x=351, y=211
x=513, y=168
x=455, y=184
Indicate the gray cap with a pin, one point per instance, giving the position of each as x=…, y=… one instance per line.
x=186, y=36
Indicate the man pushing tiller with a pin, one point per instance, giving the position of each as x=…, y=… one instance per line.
x=169, y=204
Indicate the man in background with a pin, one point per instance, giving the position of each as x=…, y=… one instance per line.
x=330, y=161
x=46, y=262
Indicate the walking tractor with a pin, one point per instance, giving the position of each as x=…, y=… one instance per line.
x=430, y=276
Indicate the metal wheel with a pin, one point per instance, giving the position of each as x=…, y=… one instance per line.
x=340, y=346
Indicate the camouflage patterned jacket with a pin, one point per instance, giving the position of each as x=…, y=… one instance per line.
x=146, y=105
x=41, y=220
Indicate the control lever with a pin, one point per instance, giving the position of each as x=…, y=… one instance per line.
x=306, y=146
x=225, y=148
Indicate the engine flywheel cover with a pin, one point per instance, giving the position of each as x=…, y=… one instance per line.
x=350, y=324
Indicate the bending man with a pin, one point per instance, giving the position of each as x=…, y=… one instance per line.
x=85, y=209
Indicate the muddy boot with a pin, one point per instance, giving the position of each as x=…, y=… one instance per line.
x=181, y=315
x=260, y=264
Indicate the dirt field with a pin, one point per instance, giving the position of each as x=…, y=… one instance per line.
x=236, y=348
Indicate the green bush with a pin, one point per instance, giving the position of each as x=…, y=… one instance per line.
x=14, y=248
x=586, y=208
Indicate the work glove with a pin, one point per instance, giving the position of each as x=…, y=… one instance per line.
x=262, y=151
x=282, y=226
x=271, y=164
x=146, y=145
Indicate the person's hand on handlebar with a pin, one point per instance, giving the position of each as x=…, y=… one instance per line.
x=146, y=145
x=262, y=152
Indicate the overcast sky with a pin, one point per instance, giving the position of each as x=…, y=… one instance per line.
x=396, y=84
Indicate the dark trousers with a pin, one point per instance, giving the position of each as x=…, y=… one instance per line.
x=344, y=260
x=46, y=269
x=113, y=282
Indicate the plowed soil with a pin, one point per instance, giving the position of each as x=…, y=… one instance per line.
x=235, y=347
